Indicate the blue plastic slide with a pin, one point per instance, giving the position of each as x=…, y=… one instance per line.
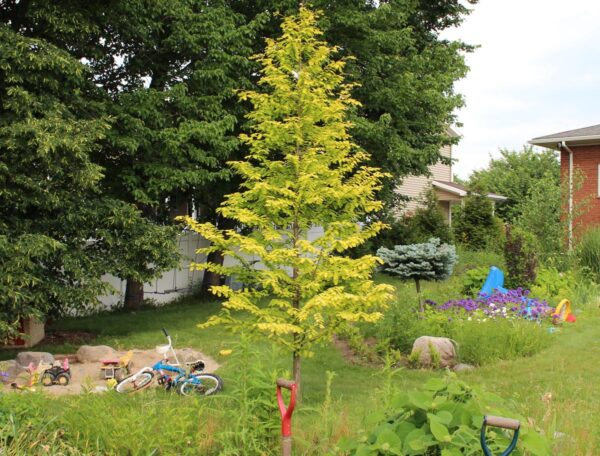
x=494, y=281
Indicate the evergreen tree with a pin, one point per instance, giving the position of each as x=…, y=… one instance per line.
x=303, y=170
x=431, y=260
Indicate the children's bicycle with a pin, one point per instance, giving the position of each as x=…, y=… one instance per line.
x=171, y=376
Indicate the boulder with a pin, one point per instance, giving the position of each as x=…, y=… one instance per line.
x=23, y=359
x=463, y=368
x=445, y=348
x=95, y=353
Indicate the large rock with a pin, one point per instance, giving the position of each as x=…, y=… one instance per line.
x=445, y=348
x=95, y=353
x=23, y=359
x=463, y=368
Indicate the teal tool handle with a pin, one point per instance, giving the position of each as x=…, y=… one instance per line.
x=500, y=422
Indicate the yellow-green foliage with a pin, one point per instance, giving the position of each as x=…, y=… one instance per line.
x=302, y=170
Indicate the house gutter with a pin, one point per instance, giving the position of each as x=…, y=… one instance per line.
x=563, y=145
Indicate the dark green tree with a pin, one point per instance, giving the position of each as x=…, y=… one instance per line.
x=58, y=233
x=517, y=175
x=474, y=223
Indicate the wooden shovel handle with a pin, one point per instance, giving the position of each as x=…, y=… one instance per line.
x=287, y=384
x=500, y=422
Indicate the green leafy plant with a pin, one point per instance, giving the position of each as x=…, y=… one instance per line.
x=474, y=223
x=473, y=280
x=443, y=418
x=588, y=253
x=520, y=256
x=251, y=413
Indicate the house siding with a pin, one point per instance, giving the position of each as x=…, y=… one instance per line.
x=413, y=186
x=586, y=160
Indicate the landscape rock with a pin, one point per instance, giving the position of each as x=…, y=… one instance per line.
x=445, y=348
x=463, y=368
x=23, y=359
x=95, y=353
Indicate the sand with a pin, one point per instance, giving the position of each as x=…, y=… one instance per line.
x=87, y=377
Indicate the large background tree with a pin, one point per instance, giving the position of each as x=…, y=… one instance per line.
x=58, y=233
x=515, y=174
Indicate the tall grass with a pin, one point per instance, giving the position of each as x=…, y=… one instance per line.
x=588, y=252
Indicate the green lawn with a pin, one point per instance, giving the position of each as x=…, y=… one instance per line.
x=567, y=371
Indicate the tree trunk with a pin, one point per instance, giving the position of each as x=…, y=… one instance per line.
x=418, y=285
x=134, y=294
x=296, y=374
x=210, y=278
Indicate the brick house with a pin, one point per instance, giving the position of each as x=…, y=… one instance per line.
x=579, y=155
x=441, y=178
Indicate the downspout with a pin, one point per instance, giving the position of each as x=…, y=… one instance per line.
x=563, y=145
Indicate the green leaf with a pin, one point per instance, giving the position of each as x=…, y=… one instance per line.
x=535, y=443
x=439, y=431
x=388, y=441
x=434, y=384
x=420, y=399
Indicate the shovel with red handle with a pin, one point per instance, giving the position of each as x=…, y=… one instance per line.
x=503, y=423
x=286, y=414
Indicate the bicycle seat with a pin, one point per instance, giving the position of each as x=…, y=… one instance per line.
x=196, y=366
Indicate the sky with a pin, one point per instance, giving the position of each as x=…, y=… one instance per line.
x=536, y=72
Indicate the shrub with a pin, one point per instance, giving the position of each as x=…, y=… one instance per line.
x=473, y=280
x=443, y=418
x=520, y=257
x=475, y=225
x=428, y=221
x=588, y=253
x=429, y=261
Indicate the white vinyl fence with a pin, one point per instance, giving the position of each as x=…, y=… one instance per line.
x=178, y=282
x=173, y=283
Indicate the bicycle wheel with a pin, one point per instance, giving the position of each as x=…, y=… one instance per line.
x=201, y=384
x=135, y=382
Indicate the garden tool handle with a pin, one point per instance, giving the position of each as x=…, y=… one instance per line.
x=287, y=384
x=286, y=412
x=501, y=422
x=165, y=332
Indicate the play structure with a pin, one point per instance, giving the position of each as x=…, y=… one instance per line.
x=47, y=374
x=495, y=283
x=563, y=312
x=117, y=369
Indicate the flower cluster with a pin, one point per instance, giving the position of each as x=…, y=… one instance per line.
x=512, y=304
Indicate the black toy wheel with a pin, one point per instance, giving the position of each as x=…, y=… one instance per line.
x=62, y=379
x=48, y=379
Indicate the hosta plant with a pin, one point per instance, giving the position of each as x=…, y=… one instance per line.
x=442, y=419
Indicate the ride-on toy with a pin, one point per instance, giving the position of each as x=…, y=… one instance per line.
x=57, y=373
x=186, y=381
x=503, y=423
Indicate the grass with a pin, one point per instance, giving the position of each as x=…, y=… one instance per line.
x=161, y=423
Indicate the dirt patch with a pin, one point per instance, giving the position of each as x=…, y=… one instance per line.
x=68, y=337
x=88, y=376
